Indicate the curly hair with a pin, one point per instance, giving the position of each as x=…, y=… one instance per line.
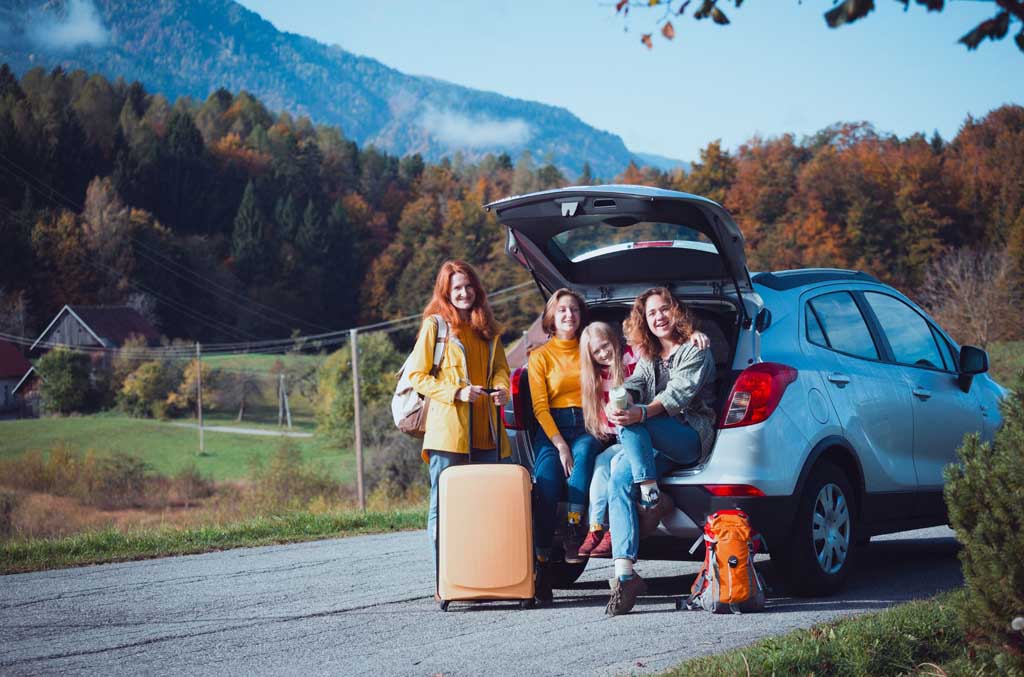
x=639, y=335
x=481, y=318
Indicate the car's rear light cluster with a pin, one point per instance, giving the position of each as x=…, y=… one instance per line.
x=756, y=393
x=733, y=490
x=514, y=413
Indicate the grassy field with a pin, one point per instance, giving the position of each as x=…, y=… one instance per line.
x=1006, y=359
x=165, y=447
x=112, y=545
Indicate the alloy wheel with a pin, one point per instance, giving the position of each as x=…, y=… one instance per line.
x=830, y=528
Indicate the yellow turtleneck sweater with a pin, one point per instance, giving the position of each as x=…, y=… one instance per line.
x=554, y=371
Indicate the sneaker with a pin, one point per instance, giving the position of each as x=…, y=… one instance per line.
x=591, y=541
x=542, y=588
x=649, y=517
x=574, y=537
x=604, y=548
x=624, y=594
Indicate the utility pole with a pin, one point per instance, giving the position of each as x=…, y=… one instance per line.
x=199, y=397
x=353, y=337
x=280, y=400
x=287, y=407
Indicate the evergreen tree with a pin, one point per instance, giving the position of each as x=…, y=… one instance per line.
x=182, y=159
x=311, y=239
x=247, y=240
x=286, y=215
x=586, y=176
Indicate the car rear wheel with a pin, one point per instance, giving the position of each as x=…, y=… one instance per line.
x=819, y=553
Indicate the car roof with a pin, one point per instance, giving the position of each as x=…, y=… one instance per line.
x=785, y=280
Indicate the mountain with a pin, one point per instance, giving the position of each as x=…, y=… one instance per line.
x=665, y=164
x=193, y=47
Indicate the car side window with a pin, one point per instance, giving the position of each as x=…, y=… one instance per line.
x=909, y=334
x=814, y=333
x=843, y=325
x=947, y=350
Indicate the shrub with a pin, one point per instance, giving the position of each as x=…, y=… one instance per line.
x=65, y=385
x=378, y=363
x=8, y=504
x=286, y=482
x=985, y=497
x=145, y=390
x=111, y=482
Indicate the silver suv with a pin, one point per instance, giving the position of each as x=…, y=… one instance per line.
x=840, y=400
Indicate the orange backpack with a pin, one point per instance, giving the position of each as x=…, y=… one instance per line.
x=728, y=581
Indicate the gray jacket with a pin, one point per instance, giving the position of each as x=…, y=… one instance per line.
x=688, y=395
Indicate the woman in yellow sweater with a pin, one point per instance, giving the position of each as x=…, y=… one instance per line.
x=473, y=376
x=564, y=450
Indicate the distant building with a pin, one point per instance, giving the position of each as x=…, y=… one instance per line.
x=97, y=327
x=26, y=394
x=13, y=367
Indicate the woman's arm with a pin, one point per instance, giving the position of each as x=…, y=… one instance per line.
x=500, y=377
x=421, y=361
x=690, y=371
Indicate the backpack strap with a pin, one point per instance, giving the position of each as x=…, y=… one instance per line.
x=439, y=344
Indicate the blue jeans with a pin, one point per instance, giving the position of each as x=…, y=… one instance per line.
x=599, y=484
x=439, y=460
x=649, y=450
x=549, y=481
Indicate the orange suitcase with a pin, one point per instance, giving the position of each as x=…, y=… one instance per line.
x=485, y=534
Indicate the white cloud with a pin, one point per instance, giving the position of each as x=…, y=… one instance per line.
x=81, y=25
x=479, y=131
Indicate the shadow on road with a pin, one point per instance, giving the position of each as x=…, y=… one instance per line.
x=888, y=572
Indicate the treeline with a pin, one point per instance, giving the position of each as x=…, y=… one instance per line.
x=224, y=220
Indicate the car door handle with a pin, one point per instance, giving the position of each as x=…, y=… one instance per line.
x=922, y=393
x=839, y=379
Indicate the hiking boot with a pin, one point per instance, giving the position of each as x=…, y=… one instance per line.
x=624, y=594
x=649, y=517
x=604, y=548
x=574, y=537
x=542, y=587
x=591, y=541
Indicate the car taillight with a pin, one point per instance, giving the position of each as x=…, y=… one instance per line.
x=733, y=490
x=756, y=393
x=514, y=420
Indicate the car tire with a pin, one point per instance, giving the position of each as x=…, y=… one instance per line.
x=818, y=556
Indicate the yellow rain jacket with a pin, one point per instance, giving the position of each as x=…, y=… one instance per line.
x=447, y=418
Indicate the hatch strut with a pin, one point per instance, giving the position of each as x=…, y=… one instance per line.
x=744, y=319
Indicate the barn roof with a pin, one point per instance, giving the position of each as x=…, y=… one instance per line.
x=12, y=364
x=110, y=325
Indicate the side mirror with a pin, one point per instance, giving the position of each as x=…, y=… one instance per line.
x=972, y=361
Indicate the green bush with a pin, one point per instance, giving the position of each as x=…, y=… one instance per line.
x=287, y=483
x=65, y=386
x=378, y=363
x=985, y=497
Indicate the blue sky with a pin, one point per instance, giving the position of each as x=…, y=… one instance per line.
x=777, y=68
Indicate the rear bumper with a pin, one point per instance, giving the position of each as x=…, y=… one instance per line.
x=771, y=516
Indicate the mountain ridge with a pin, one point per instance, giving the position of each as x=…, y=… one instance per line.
x=193, y=47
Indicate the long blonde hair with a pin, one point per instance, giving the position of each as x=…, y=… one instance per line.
x=590, y=375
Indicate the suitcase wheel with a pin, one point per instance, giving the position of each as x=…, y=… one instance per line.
x=443, y=605
x=526, y=603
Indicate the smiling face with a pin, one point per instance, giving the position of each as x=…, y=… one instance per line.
x=659, y=316
x=567, y=317
x=462, y=294
x=602, y=351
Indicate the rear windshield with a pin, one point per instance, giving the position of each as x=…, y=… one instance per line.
x=588, y=242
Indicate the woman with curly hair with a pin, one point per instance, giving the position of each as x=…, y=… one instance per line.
x=672, y=425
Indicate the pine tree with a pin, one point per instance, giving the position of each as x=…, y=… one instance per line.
x=247, y=240
x=286, y=215
x=586, y=176
x=311, y=238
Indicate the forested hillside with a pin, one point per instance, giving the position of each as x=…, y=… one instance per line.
x=194, y=47
x=226, y=220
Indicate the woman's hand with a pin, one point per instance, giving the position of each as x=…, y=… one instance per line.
x=565, y=456
x=625, y=417
x=700, y=340
x=500, y=397
x=470, y=393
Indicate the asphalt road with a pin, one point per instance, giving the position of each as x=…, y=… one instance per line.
x=364, y=605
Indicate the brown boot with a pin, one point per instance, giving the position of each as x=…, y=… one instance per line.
x=624, y=594
x=650, y=517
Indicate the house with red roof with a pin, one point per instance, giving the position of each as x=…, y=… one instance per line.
x=13, y=368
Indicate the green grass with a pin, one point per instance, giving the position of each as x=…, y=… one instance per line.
x=263, y=417
x=165, y=447
x=899, y=640
x=113, y=546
